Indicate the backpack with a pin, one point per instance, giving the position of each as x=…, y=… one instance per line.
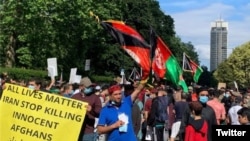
x=161, y=114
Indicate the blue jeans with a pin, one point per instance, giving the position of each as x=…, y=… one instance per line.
x=89, y=137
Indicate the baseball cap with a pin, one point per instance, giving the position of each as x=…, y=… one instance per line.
x=97, y=87
x=86, y=82
x=234, y=93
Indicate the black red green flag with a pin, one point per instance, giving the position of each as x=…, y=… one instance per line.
x=191, y=66
x=164, y=63
x=132, y=42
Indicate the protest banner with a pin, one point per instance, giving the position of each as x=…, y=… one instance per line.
x=29, y=115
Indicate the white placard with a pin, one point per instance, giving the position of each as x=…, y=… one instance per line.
x=72, y=75
x=52, y=67
x=51, y=71
x=77, y=79
x=87, y=64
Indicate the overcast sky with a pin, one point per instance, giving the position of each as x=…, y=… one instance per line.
x=193, y=19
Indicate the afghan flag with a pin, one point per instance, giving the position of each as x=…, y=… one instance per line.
x=132, y=42
x=191, y=66
x=164, y=63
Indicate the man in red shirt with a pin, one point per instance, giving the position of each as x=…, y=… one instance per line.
x=217, y=106
x=148, y=103
x=93, y=110
x=193, y=94
x=151, y=94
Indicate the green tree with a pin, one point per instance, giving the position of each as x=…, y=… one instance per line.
x=32, y=31
x=236, y=67
x=24, y=57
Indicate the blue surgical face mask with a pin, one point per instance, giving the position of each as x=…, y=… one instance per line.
x=227, y=95
x=31, y=87
x=88, y=91
x=203, y=99
x=70, y=93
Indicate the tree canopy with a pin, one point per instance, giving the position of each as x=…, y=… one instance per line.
x=32, y=31
x=236, y=67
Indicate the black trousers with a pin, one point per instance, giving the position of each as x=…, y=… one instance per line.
x=159, y=133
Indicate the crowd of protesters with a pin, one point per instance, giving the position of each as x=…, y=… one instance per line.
x=139, y=111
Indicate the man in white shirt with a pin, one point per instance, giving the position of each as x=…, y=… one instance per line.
x=232, y=113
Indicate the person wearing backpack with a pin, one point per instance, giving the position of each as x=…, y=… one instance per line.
x=158, y=118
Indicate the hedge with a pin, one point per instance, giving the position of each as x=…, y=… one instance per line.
x=102, y=79
x=26, y=74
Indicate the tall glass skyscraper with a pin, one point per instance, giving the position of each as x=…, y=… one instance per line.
x=218, y=43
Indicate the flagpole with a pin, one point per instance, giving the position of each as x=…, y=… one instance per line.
x=61, y=77
x=151, y=56
x=131, y=74
x=236, y=85
x=183, y=60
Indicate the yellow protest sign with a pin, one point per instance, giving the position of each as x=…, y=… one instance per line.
x=28, y=115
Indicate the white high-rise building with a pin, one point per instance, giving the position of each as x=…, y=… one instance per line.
x=218, y=43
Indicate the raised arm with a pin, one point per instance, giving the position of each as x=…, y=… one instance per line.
x=52, y=82
x=138, y=89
